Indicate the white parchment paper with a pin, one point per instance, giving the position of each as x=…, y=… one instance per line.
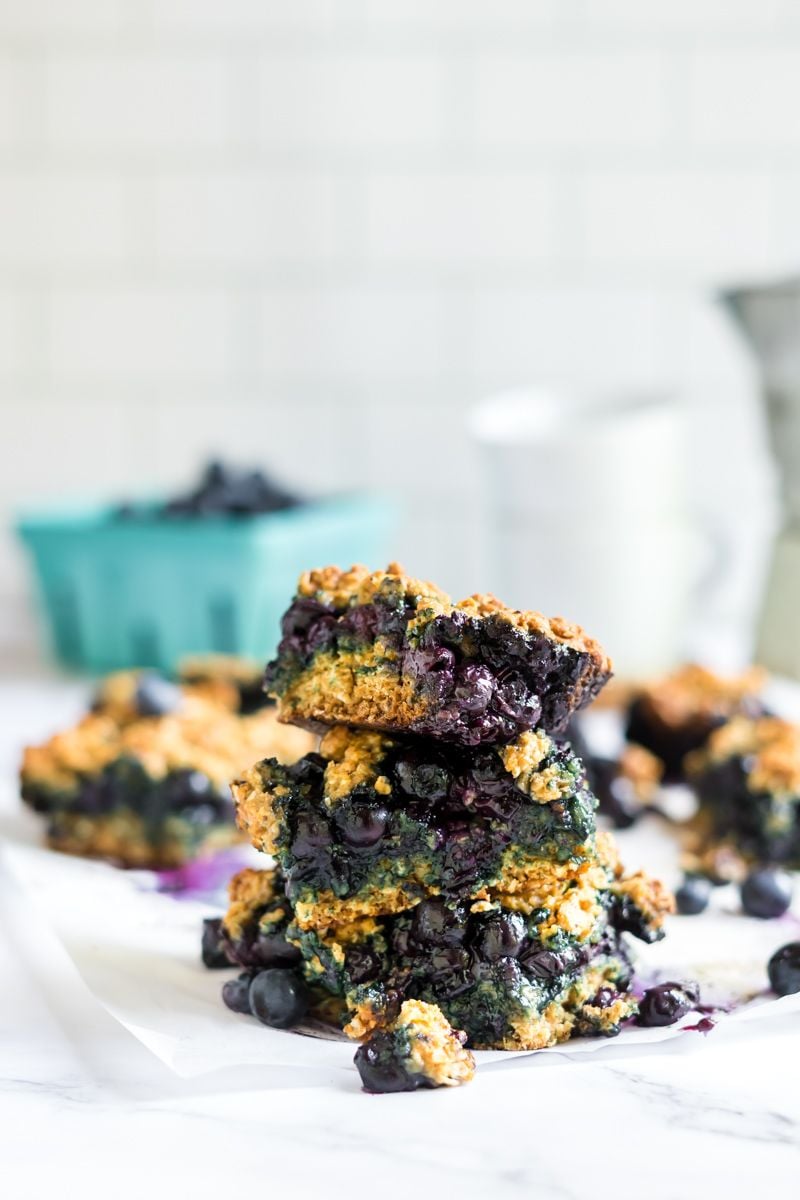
x=138, y=951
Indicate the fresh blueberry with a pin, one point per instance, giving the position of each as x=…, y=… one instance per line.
x=500, y=936
x=278, y=997
x=693, y=895
x=665, y=1004
x=766, y=893
x=362, y=824
x=156, y=696
x=784, y=970
x=236, y=993
x=213, y=944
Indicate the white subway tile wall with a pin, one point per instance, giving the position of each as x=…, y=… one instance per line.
x=313, y=234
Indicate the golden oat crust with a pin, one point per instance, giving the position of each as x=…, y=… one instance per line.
x=341, y=589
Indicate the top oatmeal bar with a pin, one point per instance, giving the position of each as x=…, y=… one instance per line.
x=383, y=651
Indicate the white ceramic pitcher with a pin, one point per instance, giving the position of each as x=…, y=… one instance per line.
x=588, y=516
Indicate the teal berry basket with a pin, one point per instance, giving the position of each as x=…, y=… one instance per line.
x=145, y=592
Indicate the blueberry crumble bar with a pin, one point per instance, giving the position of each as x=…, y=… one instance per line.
x=520, y=973
x=143, y=785
x=372, y=824
x=384, y=651
x=675, y=715
x=440, y=882
x=747, y=781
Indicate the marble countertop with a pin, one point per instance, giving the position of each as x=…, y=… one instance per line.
x=86, y=1107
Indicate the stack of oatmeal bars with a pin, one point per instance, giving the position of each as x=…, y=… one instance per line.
x=439, y=880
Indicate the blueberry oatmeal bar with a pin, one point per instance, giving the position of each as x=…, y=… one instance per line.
x=675, y=715
x=384, y=651
x=144, y=785
x=747, y=781
x=440, y=883
x=510, y=973
x=372, y=824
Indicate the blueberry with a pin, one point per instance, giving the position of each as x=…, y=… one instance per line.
x=474, y=688
x=272, y=950
x=278, y=998
x=664, y=1004
x=784, y=970
x=362, y=964
x=544, y=964
x=156, y=696
x=311, y=833
x=604, y=998
x=500, y=936
x=425, y=780
x=435, y=924
x=766, y=893
x=693, y=895
x=213, y=944
x=362, y=824
x=236, y=993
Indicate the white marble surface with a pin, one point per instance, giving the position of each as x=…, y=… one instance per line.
x=87, y=1109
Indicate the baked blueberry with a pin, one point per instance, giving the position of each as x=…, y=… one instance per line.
x=766, y=893
x=665, y=1004
x=500, y=936
x=278, y=998
x=213, y=944
x=784, y=970
x=236, y=993
x=693, y=895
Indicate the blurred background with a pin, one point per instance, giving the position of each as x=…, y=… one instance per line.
x=312, y=236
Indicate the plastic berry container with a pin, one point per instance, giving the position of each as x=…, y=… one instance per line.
x=149, y=591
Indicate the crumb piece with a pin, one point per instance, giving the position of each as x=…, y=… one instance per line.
x=248, y=891
x=419, y=1049
x=523, y=758
x=354, y=757
x=649, y=895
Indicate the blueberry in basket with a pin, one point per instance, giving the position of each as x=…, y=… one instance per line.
x=222, y=490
